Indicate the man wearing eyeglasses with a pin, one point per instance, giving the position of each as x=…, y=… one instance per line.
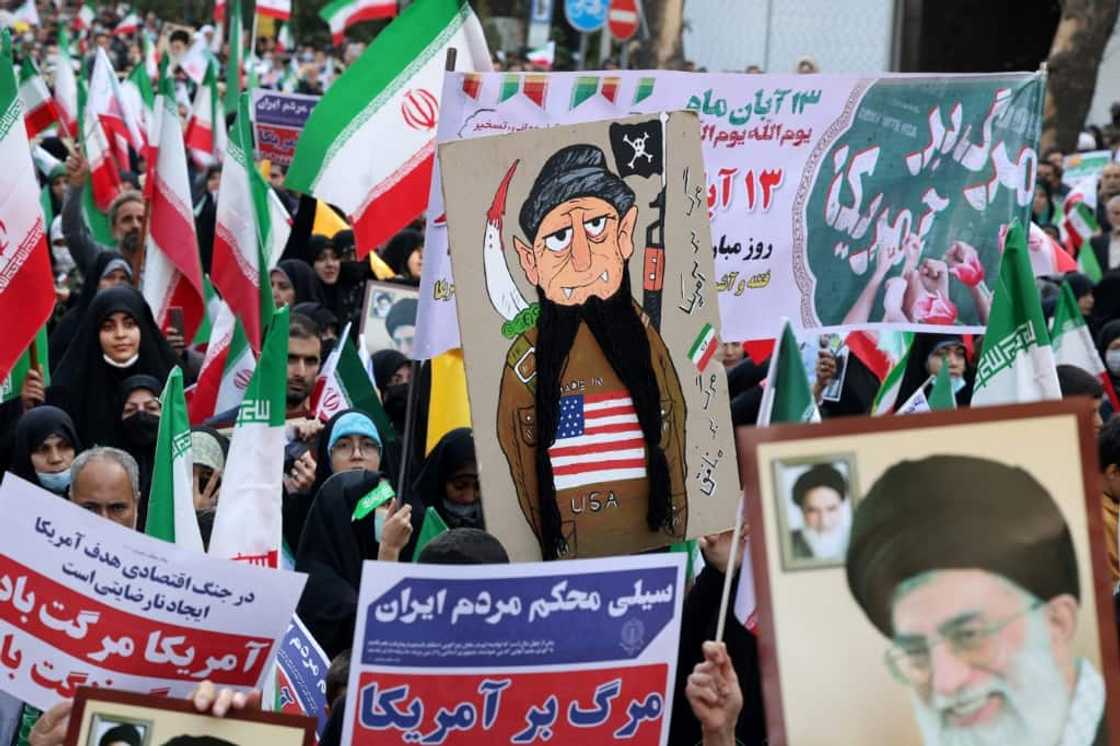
x=967, y=566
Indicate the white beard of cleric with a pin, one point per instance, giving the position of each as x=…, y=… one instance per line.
x=830, y=543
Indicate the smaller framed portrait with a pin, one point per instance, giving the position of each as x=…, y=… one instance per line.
x=815, y=502
x=105, y=717
x=389, y=321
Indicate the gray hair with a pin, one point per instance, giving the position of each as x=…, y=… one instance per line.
x=116, y=456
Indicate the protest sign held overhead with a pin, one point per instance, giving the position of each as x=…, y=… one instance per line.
x=583, y=649
x=834, y=200
x=84, y=601
x=605, y=417
x=278, y=119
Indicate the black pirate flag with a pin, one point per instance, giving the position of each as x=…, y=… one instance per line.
x=637, y=148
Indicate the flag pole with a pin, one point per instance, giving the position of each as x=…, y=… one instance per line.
x=729, y=573
x=253, y=41
x=414, y=369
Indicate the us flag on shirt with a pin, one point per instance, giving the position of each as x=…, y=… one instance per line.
x=598, y=440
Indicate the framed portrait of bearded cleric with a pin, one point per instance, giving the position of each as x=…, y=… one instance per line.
x=389, y=317
x=973, y=603
x=583, y=270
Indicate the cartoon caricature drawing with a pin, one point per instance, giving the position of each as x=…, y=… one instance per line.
x=591, y=415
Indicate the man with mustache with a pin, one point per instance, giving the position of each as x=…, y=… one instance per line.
x=590, y=414
x=968, y=567
x=126, y=220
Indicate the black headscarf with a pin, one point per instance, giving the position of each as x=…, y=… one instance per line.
x=917, y=374
x=138, y=435
x=1106, y=301
x=385, y=364
x=87, y=387
x=320, y=314
x=399, y=249
x=452, y=452
x=331, y=551
x=34, y=428
x=306, y=284
x=618, y=329
x=63, y=334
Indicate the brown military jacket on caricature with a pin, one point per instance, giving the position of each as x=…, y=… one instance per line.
x=603, y=495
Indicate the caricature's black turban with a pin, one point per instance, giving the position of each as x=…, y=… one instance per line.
x=957, y=512
x=575, y=171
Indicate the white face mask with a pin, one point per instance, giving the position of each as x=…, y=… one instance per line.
x=126, y=364
x=1112, y=361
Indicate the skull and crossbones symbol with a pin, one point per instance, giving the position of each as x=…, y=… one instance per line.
x=638, y=146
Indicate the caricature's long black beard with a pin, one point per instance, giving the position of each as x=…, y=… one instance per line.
x=618, y=329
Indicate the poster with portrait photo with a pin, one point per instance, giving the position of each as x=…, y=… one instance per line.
x=389, y=320
x=973, y=603
x=108, y=717
x=816, y=500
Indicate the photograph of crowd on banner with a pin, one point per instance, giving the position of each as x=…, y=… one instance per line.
x=973, y=597
x=583, y=650
x=841, y=203
x=585, y=256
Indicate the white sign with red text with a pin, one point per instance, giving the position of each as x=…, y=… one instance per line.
x=87, y=602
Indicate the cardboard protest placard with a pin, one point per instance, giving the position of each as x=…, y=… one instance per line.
x=389, y=320
x=102, y=716
x=86, y=602
x=590, y=332
x=584, y=649
x=827, y=194
x=945, y=571
x=278, y=120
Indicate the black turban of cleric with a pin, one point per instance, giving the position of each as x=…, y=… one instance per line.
x=575, y=171
x=957, y=513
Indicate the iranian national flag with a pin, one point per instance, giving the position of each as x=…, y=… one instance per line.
x=703, y=347
x=172, y=269
x=940, y=395
x=369, y=144
x=1047, y=256
x=196, y=59
x=26, y=285
x=206, y=132
x=234, y=63
x=86, y=15
x=106, y=102
x=28, y=13
x=887, y=396
x=226, y=370
x=151, y=59
x=788, y=396
x=1017, y=362
x=139, y=102
x=281, y=9
x=345, y=384
x=1073, y=343
x=1079, y=223
x=342, y=14
x=284, y=40
x=66, y=86
x=129, y=25
x=247, y=524
x=171, y=499
x=1088, y=265
x=39, y=110
x=249, y=226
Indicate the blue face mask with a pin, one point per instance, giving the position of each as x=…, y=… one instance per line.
x=957, y=383
x=57, y=482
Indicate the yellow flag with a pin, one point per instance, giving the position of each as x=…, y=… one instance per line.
x=327, y=222
x=381, y=270
x=449, y=408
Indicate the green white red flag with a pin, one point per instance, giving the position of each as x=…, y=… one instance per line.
x=39, y=109
x=206, y=132
x=369, y=144
x=1088, y=265
x=66, y=86
x=940, y=395
x=788, y=396
x=1073, y=342
x=247, y=525
x=344, y=383
x=1017, y=361
x=249, y=226
x=278, y=9
x=342, y=14
x=106, y=101
x=171, y=514
x=26, y=284
x=172, y=269
x=899, y=345
x=1079, y=222
x=226, y=370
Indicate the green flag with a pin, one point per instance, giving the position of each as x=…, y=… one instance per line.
x=941, y=395
x=233, y=64
x=1087, y=263
x=11, y=386
x=433, y=526
x=788, y=397
x=171, y=498
x=1017, y=362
